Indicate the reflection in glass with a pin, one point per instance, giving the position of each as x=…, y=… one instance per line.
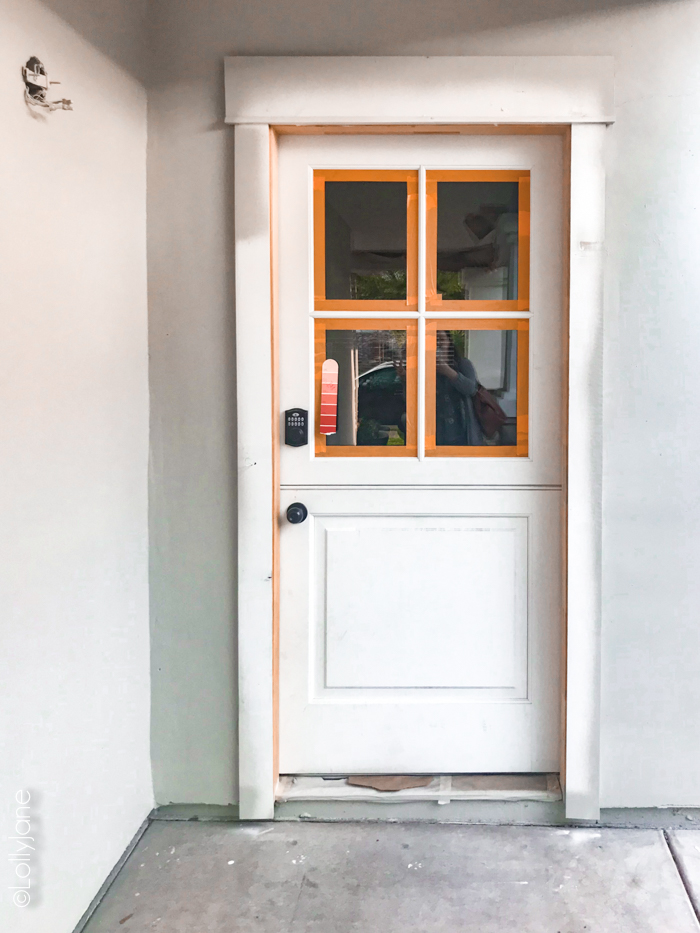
x=476, y=388
x=371, y=387
x=366, y=240
x=477, y=240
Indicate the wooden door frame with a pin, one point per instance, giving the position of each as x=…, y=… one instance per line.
x=269, y=97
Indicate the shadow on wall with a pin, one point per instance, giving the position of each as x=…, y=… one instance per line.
x=186, y=37
x=158, y=41
x=118, y=28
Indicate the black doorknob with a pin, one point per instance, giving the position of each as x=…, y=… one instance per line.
x=296, y=513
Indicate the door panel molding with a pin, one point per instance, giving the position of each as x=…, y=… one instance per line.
x=356, y=636
x=570, y=95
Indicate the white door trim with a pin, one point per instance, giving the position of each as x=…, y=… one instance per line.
x=584, y=472
x=291, y=91
x=425, y=90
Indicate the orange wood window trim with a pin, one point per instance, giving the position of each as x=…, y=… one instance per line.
x=524, y=242
x=321, y=176
x=404, y=129
x=520, y=448
x=434, y=300
x=410, y=449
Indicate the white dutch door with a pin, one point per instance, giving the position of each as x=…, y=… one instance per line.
x=421, y=329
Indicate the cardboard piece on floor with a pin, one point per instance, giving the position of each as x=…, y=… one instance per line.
x=389, y=782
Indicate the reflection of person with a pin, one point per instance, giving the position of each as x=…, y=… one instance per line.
x=456, y=384
x=485, y=248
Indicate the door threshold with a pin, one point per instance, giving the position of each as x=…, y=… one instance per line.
x=443, y=788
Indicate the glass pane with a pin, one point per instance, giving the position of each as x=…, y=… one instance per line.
x=477, y=240
x=475, y=388
x=366, y=240
x=371, y=387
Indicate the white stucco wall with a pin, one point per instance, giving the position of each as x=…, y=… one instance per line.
x=651, y=662
x=74, y=633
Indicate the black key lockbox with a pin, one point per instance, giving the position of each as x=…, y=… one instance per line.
x=296, y=427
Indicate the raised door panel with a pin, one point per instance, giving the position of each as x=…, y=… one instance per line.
x=423, y=601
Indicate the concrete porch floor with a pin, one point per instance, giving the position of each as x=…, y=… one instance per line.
x=398, y=877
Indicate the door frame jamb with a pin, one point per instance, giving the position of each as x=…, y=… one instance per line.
x=258, y=447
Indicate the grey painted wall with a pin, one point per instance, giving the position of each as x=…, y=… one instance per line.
x=193, y=455
x=74, y=631
x=651, y=682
